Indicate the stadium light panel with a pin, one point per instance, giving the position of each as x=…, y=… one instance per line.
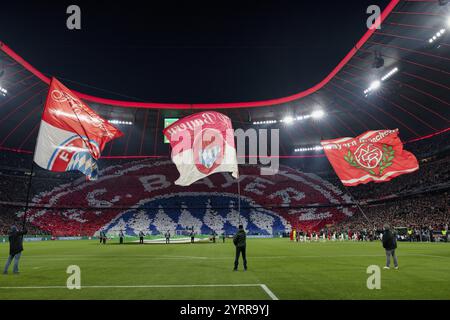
x=373, y=86
x=317, y=114
x=389, y=74
x=3, y=92
x=127, y=123
x=307, y=149
x=437, y=35
x=288, y=120
x=264, y=122
x=377, y=83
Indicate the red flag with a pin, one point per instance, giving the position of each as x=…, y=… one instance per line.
x=202, y=144
x=376, y=156
x=71, y=135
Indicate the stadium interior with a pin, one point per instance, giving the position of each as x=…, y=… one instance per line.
x=397, y=77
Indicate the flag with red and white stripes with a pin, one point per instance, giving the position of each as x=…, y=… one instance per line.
x=71, y=136
x=202, y=144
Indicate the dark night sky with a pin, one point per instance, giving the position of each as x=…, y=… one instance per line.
x=187, y=51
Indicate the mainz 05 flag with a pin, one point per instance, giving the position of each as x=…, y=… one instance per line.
x=71, y=135
x=202, y=144
x=373, y=156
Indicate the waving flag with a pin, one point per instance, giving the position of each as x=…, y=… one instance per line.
x=202, y=144
x=71, y=135
x=373, y=156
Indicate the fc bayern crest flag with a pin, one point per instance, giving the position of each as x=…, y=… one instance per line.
x=376, y=156
x=71, y=136
x=202, y=144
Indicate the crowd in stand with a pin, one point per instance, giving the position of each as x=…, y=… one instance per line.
x=8, y=218
x=434, y=173
x=429, y=147
x=418, y=218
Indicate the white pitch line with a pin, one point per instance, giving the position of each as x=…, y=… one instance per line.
x=263, y=286
x=140, y=286
x=430, y=255
x=269, y=292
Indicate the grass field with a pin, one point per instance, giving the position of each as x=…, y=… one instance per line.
x=278, y=268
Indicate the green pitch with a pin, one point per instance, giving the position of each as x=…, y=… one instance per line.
x=278, y=268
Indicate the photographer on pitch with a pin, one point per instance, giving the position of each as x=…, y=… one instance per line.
x=389, y=244
x=240, y=242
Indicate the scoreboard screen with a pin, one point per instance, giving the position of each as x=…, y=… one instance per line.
x=168, y=122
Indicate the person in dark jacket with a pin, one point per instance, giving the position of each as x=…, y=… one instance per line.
x=15, y=248
x=141, y=237
x=167, y=235
x=239, y=241
x=121, y=235
x=389, y=244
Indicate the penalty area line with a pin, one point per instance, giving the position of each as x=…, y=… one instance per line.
x=262, y=286
x=269, y=292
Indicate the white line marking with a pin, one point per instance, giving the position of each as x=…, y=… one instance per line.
x=81, y=257
x=269, y=292
x=263, y=286
x=430, y=255
x=139, y=286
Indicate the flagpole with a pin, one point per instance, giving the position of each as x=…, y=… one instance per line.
x=27, y=203
x=350, y=194
x=30, y=181
x=239, y=198
x=357, y=204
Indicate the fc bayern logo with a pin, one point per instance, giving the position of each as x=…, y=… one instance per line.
x=209, y=149
x=65, y=152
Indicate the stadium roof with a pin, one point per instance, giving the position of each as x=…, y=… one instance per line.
x=409, y=90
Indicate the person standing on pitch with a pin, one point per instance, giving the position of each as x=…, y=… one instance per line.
x=240, y=242
x=223, y=237
x=141, y=237
x=389, y=244
x=121, y=237
x=192, y=236
x=15, y=248
x=167, y=237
